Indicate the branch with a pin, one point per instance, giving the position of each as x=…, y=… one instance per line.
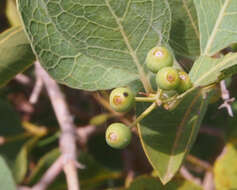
x=50, y=175
x=68, y=136
x=36, y=90
x=226, y=98
x=187, y=175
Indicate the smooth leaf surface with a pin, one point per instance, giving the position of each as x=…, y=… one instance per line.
x=21, y=164
x=151, y=183
x=225, y=169
x=207, y=70
x=184, y=36
x=6, y=179
x=15, y=54
x=217, y=24
x=167, y=136
x=97, y=44
x=10, y=127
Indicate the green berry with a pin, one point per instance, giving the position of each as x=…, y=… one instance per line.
x=118, y=135
x=185, y=82
x=158, y=58
x=121, y=99
x=167, y=78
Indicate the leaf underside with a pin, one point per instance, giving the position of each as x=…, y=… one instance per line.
x=94, y=44
x=217, y=24
x=167, y=136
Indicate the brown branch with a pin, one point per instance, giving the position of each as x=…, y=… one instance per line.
x=68, y=136
x=201, y=163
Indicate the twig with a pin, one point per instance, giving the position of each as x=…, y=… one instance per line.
x=36, y=91
x=226, y=98
x=201, y=163
x=68, y=136
x=208, y=182
x=23, y=79
x=187, y=175
x=85, y=132
x=106, y=105
x=50, y=175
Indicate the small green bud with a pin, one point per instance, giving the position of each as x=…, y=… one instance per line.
x=118, y=135
x=158, y=58
x=185, y=82
x=121, y=99
x=167, y=78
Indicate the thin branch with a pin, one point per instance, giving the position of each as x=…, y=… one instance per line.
x=208, y=182
x=50, y=175
x=68, y=135
x=36, y=91
x=23, y=79
x=201, y=163
x=187, y=175
x=226, y=98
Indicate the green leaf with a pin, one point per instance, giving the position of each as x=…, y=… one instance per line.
x=6, y=179
x=97, y=44
x=151, y=183
x=21, y=164
x=167, y=136
x=207, y=70
x=184, y=36
x=10, y=126
x=217, y=24
x=12, y=13
x=15, y=54
x=225, y=169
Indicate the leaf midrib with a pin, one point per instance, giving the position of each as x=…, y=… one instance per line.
x=130, y=49
x=179, y=132
x=218, y=22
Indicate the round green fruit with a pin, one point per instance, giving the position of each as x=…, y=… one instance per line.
x=158, y=58
x=118, y=135
x=167, y=78
x=121, y=99
x=185, y=82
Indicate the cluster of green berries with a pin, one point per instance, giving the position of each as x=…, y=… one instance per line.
x=159, y=60
x=119, y=135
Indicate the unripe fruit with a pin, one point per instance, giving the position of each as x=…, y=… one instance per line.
x=118, y=135
x=167, y=78
x=185, y=82
x=121, y=99
x=158, y=58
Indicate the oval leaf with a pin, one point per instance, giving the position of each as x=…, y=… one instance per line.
x=95, y=45
x=15, y=54
x=167, y=136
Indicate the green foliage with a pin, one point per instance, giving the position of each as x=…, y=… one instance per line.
x=225, y=169
x=167, y=136
x=151, y=183
x=6, y=179
x=184, y=34
x=100, y=51
x=15, y=54
x=217, y=27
